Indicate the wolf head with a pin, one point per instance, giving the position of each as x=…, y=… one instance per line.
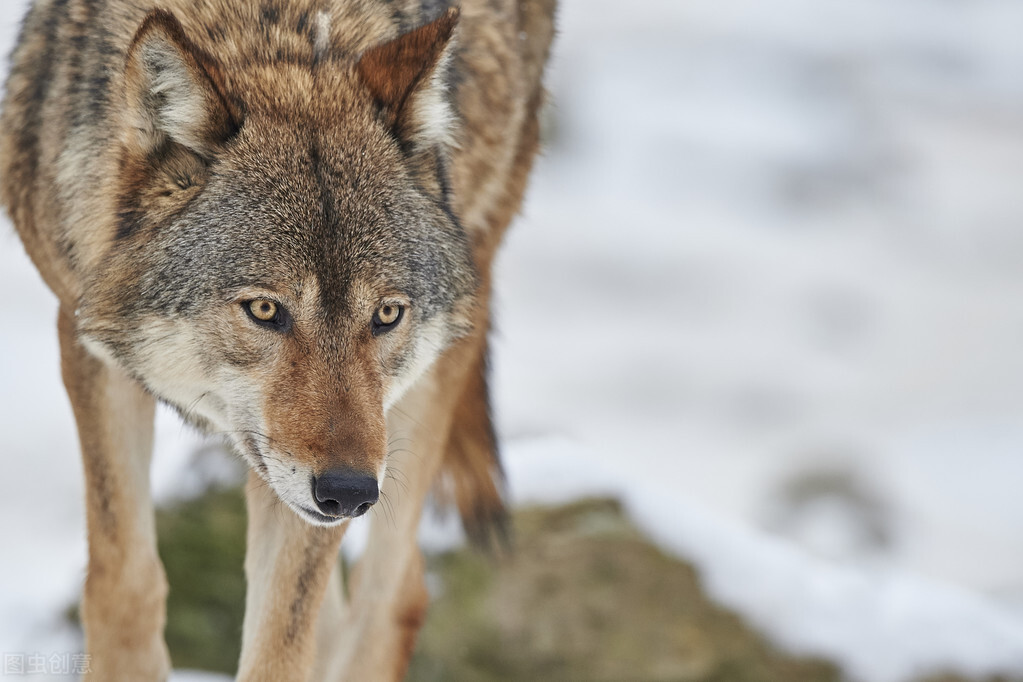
x=286, y=262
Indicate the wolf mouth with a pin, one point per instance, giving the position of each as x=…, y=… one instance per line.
x=311, y=515
x=323, y=518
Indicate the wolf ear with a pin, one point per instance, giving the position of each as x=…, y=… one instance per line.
x=171, y=88
x=406, y=77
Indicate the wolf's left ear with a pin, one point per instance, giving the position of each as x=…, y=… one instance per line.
x=172, y=90
x=407, y=78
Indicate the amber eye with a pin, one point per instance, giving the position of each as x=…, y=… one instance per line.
x=263, y=310
x=267, y=313
x=387, y=317
x=388, y=314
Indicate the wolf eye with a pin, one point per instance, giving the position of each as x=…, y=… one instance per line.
x=267, y=313
x=263, y=310
x=387, y=318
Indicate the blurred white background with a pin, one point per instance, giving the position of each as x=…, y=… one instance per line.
x=766, y=287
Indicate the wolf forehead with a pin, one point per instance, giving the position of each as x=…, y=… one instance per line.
x=288, y=197
x=279, y=208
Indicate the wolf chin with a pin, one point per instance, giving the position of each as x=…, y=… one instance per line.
x=278, y=217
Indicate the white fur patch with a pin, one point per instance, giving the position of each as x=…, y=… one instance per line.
x=431, y=339
x=434, y=116
x=432, y=112
x=322, y=41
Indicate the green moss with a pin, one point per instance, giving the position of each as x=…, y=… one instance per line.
x=202, y=544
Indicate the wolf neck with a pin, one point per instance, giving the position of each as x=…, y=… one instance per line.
x=246, y=32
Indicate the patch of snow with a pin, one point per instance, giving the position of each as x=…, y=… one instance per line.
x=883, y=623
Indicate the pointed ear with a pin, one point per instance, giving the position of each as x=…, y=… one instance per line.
x=171, y=88
x=406, y=77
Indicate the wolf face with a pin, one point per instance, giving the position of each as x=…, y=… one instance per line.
x=286, y=263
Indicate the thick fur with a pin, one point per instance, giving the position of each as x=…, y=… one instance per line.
x=167, y=162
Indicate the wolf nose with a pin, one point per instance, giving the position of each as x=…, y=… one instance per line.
x=345, y=493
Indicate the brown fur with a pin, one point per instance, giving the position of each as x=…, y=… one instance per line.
x=394, y=70
x=125, y=577
x=319, y=118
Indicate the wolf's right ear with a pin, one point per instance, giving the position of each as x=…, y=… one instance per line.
x=173, y=90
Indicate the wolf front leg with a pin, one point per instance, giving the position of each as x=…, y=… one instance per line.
x=287, y=565
x=123, y=607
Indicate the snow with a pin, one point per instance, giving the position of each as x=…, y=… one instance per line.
x=883, y=622
x=765, y=289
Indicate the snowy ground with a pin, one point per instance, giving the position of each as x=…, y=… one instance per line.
x=766, y=287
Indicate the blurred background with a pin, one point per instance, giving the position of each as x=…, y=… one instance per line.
x=766, y=295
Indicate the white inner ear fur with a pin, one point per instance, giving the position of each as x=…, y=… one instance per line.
x=180, y=105
x=431, y=107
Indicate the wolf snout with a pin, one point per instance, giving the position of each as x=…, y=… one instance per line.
x=344, y=493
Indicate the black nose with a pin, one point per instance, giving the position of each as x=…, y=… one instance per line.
x=345, y=493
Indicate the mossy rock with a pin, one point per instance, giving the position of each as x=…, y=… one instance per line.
x=583, y=596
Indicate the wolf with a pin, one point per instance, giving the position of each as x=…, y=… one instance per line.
x=278, y=217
